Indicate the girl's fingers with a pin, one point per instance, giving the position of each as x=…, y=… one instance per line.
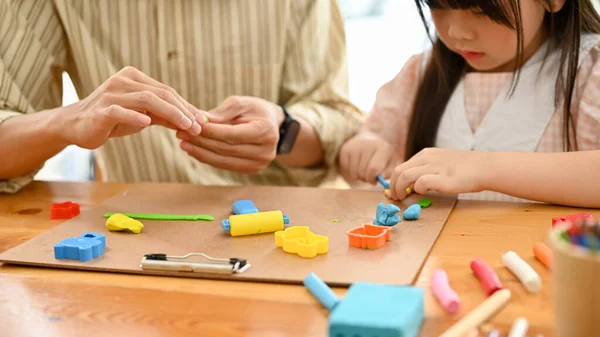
x=429, y=182
x=408, y=177
x=380, y=160
x=363, y=165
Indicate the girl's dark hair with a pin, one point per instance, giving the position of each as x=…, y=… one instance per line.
x=445, y=68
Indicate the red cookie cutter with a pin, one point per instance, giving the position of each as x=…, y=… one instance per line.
x=571, y=218
x=368, y=236
x=65, y=210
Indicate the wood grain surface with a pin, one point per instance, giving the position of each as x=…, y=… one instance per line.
x=51, y=302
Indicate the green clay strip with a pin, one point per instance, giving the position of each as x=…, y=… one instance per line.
x=144, y=216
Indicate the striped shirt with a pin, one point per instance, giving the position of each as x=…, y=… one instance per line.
x=288, y=52
x=391, y=113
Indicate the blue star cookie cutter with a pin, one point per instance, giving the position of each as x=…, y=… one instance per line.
x=387, y=215
x=84, y=248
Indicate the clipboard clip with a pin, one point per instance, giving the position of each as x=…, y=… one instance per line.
x=182, y=263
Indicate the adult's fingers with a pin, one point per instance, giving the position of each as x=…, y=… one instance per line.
x=231, y=108
x=138, y=76
x=253, y=132
x=172, y=98
x=149, y=102
x=240, y=165
x=117, y=114
x=249, y=151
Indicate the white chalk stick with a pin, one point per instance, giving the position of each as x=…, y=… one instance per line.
x=519, y=328
x=528, y=277
x=480, y=314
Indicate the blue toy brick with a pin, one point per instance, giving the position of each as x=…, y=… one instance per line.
x=374, y=310
x=97, y=236
x=82, y=249
x=244, y=207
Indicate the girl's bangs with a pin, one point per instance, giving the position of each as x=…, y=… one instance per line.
x=501, y=11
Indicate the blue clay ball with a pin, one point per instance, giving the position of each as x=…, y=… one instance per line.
x=413, y=212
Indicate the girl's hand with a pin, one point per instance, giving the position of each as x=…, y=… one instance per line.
x=443, y=170
x=365, y=156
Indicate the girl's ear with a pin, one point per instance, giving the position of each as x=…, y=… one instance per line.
x=556, y=5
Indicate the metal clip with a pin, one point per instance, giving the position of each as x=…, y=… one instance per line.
x=179, y=263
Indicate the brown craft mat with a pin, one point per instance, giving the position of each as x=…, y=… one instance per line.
x=327, y=211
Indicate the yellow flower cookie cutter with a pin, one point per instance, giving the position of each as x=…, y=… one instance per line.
x=300, y=240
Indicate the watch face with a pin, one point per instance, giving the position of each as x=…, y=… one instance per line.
x=290, y=137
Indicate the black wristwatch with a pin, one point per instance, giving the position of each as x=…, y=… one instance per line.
x=288, y=131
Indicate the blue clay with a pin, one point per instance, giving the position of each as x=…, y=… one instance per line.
x=386, y=215
x=412, y=212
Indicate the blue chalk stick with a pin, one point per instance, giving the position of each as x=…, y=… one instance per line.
x=412, y=212
x=370, y=309
x=383, y=182
x=244, y=207
x=286, y=220
x=321, y=291
x=82, y=249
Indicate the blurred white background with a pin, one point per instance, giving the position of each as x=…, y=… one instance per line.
x=381, y=36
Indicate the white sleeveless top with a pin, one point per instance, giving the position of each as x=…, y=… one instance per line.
x=514, y=123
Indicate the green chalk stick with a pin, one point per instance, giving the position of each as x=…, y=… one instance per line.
x=143, y=216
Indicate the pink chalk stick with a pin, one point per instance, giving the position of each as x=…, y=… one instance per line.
x=444, y=293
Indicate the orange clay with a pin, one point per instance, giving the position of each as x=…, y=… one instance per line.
x=368, y=236
x=543, y=253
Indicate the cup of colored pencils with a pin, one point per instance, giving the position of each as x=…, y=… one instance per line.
x=576, y=276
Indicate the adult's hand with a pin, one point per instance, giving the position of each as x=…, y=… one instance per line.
x=242, y=135
x=124, y=104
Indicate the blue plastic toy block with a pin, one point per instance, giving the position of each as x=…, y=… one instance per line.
x=97, y=236
x=244, y=207
x=375, y=310
x=88, y=246
x=371, y=310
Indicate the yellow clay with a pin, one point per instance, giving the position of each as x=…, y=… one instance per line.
x=408, y=191
x=300, y=240
x=255, y=223
x=119, y=222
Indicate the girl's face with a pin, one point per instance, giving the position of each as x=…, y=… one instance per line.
x=488, y=46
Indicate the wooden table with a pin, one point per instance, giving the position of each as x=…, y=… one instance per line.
x=49, y=302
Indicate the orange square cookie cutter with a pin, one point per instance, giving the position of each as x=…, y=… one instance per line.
x=369, y=236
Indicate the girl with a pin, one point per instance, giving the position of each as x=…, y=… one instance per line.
x=505, y=106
